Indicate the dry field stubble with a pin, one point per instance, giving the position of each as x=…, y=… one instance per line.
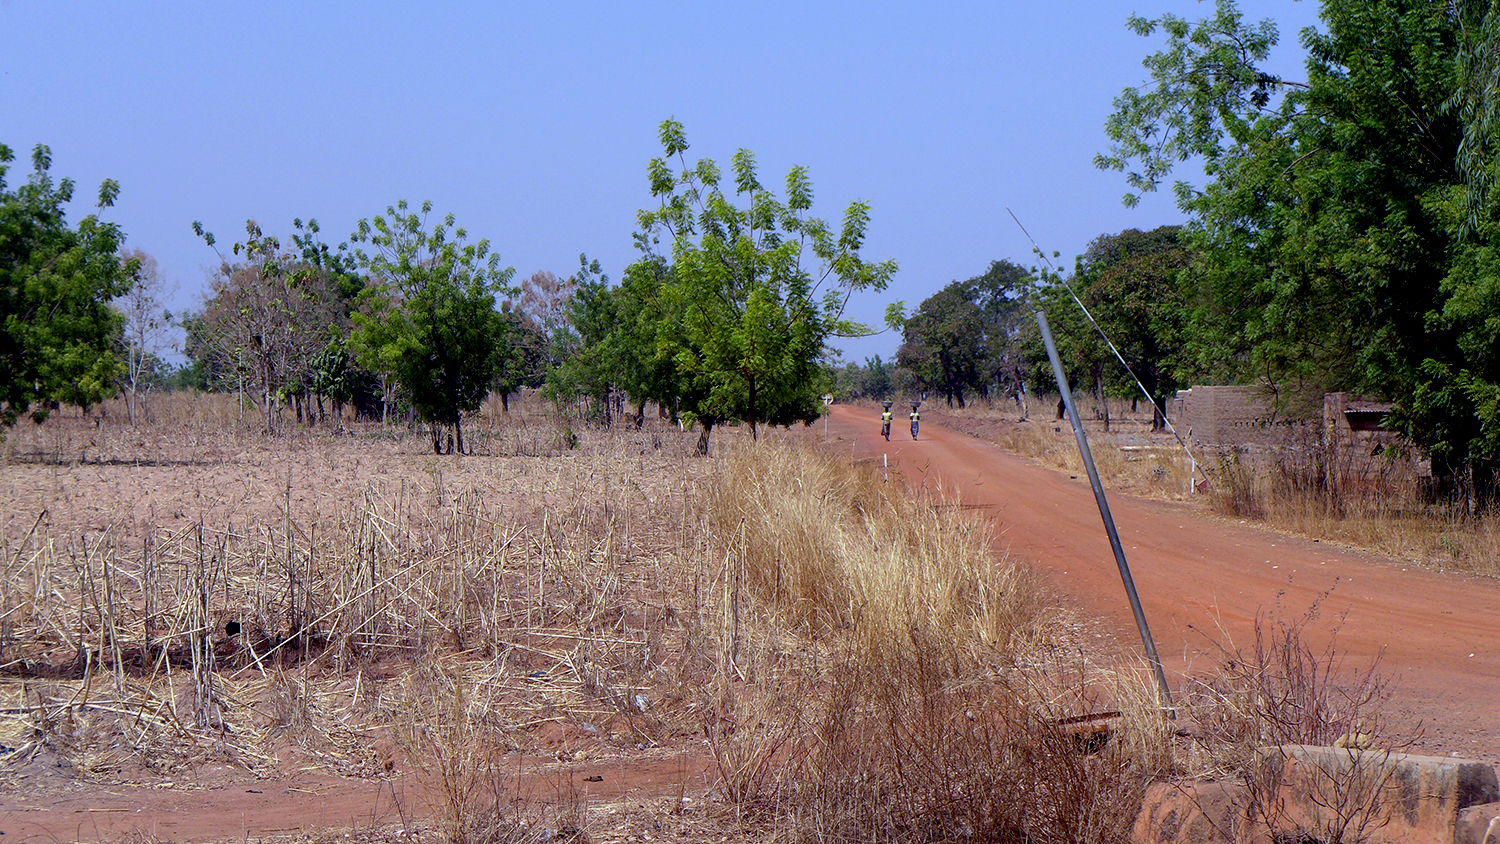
x=183, y=595
x=849, y=660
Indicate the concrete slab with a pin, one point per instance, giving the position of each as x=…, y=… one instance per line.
x=1330, y=792
x=1478, y=825
x=1191, y=813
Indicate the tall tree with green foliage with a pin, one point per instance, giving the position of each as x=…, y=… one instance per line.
x=428, y=315
x=592, y=370
x=265, y=321
x=1132, y=284
x=1342, y=239
x=944, y=345
x=645, y=362
x=1003, y=295
x=759, y=288
x=57, y=329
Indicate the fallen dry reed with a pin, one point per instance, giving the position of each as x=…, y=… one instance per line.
x=269, y=639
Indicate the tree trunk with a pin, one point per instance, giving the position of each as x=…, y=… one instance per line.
x=437, y=440
x=753, y=433
x=703, y=439
x=504, y=402
x=1103, y=402
x=458, y=433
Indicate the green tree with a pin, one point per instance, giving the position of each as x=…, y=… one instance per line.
x=1087, y=362
x=1337, y=243
x=1132, y=284
x=943, y=345
x=1002, y=294
x=592, y=369
x=266, y=319
x=523, y=354
x=429, y=316
x=57, y=329
x=644, y=358
x=759, y=288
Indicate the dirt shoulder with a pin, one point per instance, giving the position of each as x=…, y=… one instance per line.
x=1201, y=578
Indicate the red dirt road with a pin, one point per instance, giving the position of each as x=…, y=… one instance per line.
x=236, y=809
x=1439, y=633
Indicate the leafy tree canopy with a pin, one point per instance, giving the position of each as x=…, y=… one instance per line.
x=944, y=344
x=759, y=287
x=57, y=329
x=1343, y=239
x=429, y=316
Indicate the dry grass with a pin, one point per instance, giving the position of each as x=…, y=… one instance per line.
x=1314, y=493
x=853, y=658
x=885, y=676
x=281, y=603
x=1130, y=457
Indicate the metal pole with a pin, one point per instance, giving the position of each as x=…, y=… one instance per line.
x=1109, y=521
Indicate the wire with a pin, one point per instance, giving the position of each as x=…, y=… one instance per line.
x=1121, y=358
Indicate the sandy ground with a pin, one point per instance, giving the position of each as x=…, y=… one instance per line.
x=1202, y=577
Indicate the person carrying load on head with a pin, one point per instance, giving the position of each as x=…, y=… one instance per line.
x=916, y=418
x=885, y=421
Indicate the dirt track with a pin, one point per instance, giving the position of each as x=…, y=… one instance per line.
x=223, y=806
x=1196, y=573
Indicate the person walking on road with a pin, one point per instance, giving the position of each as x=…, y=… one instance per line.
x=915, y=419
x=885, y=422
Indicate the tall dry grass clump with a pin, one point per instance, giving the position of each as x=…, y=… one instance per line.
x=1316, y=490
x=833, y=546
x=887, y=677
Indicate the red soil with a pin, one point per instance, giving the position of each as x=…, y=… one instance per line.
x=1437, y=634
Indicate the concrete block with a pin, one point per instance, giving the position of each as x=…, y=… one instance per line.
x=1380, y=796
x=1478, y=825
x=1191, y=813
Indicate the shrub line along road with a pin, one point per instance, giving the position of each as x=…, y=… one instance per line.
x=1438, y=634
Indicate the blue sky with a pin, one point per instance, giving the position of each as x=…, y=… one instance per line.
x=533, y=123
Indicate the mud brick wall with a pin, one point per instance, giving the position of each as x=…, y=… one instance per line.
x=1232, y=416
x=1350, y=427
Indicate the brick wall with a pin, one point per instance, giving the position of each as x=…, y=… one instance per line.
x=1232, y=416
x=1221, y=417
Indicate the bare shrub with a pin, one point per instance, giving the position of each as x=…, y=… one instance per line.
x=460, y=761
x=1283, y=690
